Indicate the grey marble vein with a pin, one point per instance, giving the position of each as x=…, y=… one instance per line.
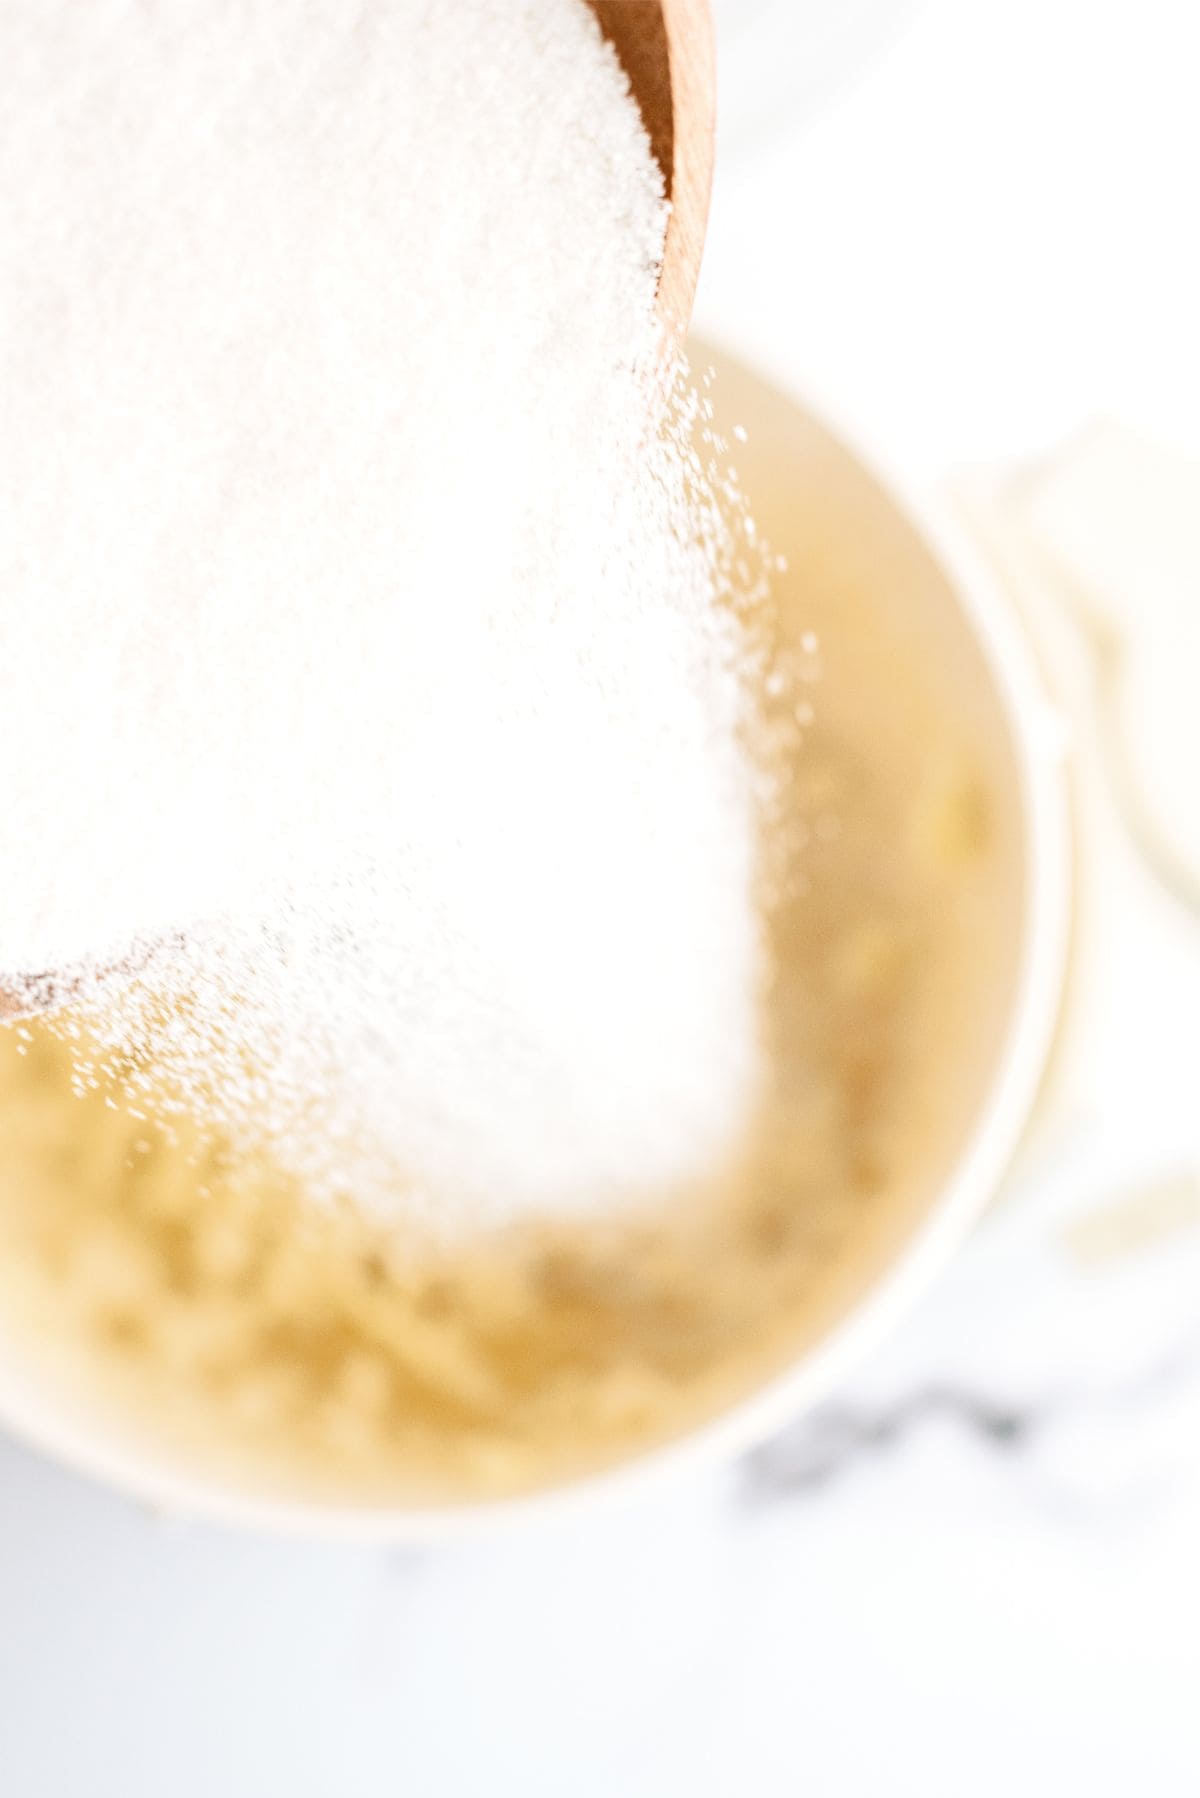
x=821, y=1448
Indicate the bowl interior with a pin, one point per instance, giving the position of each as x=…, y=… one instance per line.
x=924, y=707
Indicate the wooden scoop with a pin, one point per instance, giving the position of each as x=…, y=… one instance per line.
x=666, y=49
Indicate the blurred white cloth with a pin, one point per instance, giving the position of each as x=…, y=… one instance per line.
x=1099, y=546
x=1116, y=518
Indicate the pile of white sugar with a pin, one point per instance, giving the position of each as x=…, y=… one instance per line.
x=373, y=699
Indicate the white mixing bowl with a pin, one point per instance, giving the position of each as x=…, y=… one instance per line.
x=73, y=1434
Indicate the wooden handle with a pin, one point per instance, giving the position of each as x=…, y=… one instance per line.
x=666, y=49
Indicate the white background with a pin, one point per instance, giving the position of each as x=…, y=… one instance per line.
x=982, y=227
x=965, y=227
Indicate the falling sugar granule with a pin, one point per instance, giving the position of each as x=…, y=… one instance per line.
x=378, y=664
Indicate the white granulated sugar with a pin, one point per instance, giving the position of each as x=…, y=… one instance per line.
x=369, y=698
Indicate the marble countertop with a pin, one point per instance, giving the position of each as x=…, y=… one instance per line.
x=976, y=1568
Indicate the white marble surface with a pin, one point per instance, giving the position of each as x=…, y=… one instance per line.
x=976, y=1569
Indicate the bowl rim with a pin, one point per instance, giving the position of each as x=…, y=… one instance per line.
x=1039, y=743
